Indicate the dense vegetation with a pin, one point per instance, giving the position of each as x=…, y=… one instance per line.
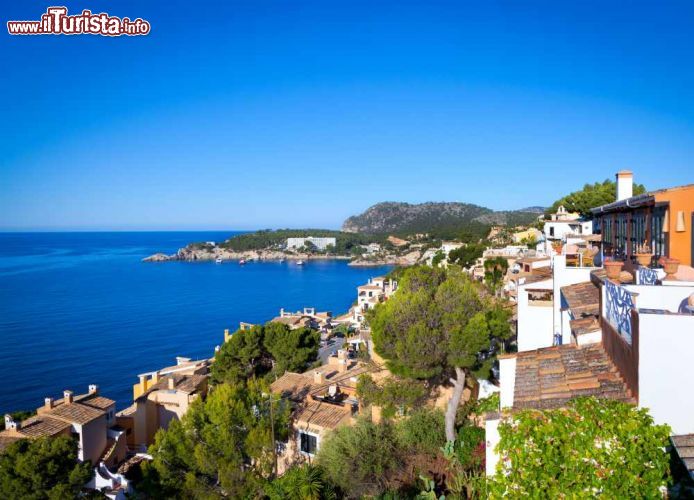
x=593, y=448
x=345, y=243
x=269, y=349
x=591, y=196
x=222, y=447
x=434, y=327
x=42, y=468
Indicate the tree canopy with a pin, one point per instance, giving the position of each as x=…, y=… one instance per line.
x=222, y=447
x=433, y=329
x=591, y=196
x=263, y=349
x=466, y=256
x=42, y=468
x=592, y=448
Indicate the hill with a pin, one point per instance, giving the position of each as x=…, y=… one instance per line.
x=443, y=219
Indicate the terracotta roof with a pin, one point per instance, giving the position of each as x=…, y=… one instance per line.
x=184, y=383
x=584, y=325
x=76, y=413
x=294, y=386
x=43, y=425
x=537, y=275
x=582, y=298
x=684, y=445
x=321, y=414
x=550, y=377
x=95, y=401
x=369, y=287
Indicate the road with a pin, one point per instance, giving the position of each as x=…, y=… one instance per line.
x=324, y=352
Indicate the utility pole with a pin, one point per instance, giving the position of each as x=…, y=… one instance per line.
x=274, y=446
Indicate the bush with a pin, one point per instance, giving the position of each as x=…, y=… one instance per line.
x=423, y=431
x=361, y=459
x=592, y=448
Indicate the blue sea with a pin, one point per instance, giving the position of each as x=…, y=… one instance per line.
x=81, y=308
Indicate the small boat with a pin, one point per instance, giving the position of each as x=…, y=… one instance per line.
x=218, y=260
x=299, y=262
x=242, y=262
x=281, y=261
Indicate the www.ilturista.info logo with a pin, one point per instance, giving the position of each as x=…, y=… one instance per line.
x=56, y=22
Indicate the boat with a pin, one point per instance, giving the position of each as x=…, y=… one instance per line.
x=242, y=262
x=282, y=261
x=218, y=260
x=299, y=262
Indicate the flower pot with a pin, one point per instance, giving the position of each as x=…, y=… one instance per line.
x=644, y=259
x=670, y=267
x=613, y=268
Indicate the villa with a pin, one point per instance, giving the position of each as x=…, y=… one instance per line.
x=161, y=396
x=621, y=332
x=322, y=399
x=563, y=224
x=375, y=291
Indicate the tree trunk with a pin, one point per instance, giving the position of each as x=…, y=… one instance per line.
x=452, y=409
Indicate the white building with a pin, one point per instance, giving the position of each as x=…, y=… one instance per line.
x=562, y=224
x=319, y=242
x=631, y=342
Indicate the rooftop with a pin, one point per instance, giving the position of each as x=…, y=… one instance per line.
x=550, y=377
x=582, y=298
x=76, y=413
x=322, y=414
x=684, y=445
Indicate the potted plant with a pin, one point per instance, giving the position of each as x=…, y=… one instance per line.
x=670, y=267
x=613, y=268
x=643, y=254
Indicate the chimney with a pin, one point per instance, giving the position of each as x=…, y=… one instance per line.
x=143, y=383
x=341, y=354
x=171, y=384
x=11, y=424
x=48, y=403
x=318, y=377
x=93, y=389
x=226, y=335
x=342, y=366
x=67, y=397
x=625, y=185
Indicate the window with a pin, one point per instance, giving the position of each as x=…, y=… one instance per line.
x=308, y=443
x=551, y=230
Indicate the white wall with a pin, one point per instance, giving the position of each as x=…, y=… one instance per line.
x=660, y=297
x=666, y=370
x=507, y=381
x=492, y=440
x=534, y=322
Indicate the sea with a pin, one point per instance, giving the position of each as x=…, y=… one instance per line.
x=82, y=308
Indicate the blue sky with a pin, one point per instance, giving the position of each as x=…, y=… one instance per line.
x=241, y=115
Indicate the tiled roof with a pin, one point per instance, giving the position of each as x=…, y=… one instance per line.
x=76, y=413
x=584, y=325
x=537, y=275
x=294, y=386
x=184, y=383
x=95, y=401
x=41, y=425
x=321, y=414
x=684, y=445
x=550, y=377
x=582, y=298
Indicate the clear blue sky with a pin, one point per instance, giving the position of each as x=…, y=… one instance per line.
x=272, y=114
